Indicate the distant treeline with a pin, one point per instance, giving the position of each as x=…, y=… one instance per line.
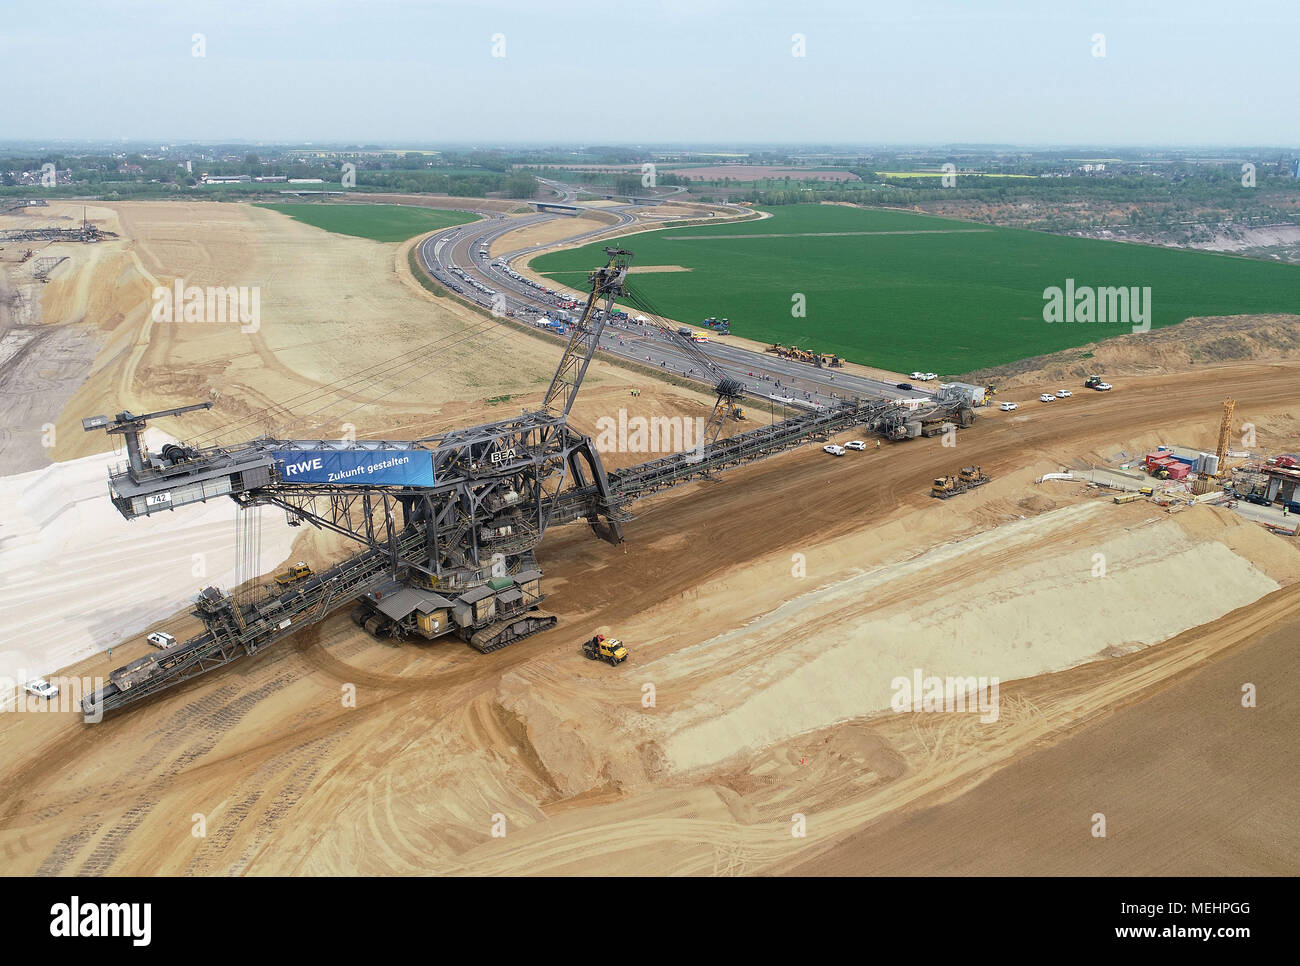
x=138, y=176
x=1141, y=200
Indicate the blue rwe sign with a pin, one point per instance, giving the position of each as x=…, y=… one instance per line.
x=392, y=467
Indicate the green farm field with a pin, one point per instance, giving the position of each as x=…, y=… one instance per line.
x=908, y=291
x=385, y=223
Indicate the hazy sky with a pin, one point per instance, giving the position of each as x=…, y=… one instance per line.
x=586, y=71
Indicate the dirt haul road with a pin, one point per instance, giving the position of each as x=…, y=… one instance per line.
x=767, y=686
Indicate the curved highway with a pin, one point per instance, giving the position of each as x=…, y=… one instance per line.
x=453, y=258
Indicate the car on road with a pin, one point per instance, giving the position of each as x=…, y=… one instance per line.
x=1008, y=407
x=161, y=639
x=834, y=450
x=1259, y=499
x=1103, y=386
x=1063, y=394
x=855, y=444
x=904, y=385
x=1047, y=397
x=41, y=688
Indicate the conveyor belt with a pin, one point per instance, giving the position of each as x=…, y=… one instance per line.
x=234, y=633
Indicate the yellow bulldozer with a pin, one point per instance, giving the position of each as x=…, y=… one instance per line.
x=949, y=486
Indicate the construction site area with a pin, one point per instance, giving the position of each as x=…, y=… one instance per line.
x=432, y=566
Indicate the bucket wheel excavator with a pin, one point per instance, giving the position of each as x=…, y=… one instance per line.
x=447, y=525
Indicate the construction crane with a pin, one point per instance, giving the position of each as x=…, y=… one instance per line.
x=1225, y=428
x=1206, y=482
x=448, y=524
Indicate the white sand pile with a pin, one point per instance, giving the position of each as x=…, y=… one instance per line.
x=1030, y=604
x=1042, y=612
x=76, y=578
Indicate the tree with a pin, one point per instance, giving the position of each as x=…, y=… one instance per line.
x=521, y=185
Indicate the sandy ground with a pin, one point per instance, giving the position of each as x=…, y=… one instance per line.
x=332, y=311
x=49, y=332
x=767, y=614
x=1135, y=767
x=78, y=580
x=1216, y=341
x=1210, y=237
x=548, y=232
x=56, y=538
x=671, y=211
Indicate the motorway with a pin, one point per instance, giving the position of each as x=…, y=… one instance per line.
x=451, y=257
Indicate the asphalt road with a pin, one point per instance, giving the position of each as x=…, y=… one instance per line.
x=452, y=257
x=1272, y=515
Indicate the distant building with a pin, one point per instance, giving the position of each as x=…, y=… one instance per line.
x=306, y=181
x=271, y=177
x=129, y=169
x=1295, y=168
x=226, y=179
